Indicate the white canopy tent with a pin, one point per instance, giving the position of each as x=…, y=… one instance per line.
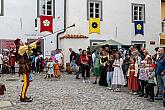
x=110, y=42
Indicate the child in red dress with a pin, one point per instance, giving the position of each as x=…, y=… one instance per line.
x=133, y=84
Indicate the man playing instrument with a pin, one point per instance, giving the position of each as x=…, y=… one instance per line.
x=23, y=52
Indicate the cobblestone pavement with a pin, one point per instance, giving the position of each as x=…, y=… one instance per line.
x=69, y=93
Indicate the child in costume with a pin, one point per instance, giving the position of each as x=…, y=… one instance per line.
x=151, y=84
x=50, y=68
x=133, y=84
x=57, y=70
x=147, y=67
x=142, y=78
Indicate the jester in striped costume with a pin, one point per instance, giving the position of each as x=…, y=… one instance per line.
x=23, y=52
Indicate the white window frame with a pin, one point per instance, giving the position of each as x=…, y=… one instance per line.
x=94, y=9
x=46, y=8
x=138, y=12
x=1, y=7
x=41, y=3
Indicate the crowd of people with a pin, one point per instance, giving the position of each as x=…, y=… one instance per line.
x=9, y=64
x=133, y=68
x=54, y=64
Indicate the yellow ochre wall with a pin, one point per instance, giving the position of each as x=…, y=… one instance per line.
x=163, y=10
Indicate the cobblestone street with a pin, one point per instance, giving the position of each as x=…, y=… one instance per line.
x=71, y=94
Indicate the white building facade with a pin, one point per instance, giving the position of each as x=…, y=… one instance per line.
x=117, y=20
x=17, y=19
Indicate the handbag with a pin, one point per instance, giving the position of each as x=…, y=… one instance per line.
x=2, y=89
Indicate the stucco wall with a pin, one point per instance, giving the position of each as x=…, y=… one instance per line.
x=75, y=44
x=117, y=21
x=163, y=10
x=19, y=19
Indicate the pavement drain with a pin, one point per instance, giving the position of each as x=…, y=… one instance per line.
x=159, y=109
x=12, y=79
x=127, y=109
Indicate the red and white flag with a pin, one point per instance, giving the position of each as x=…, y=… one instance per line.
x=46, y=23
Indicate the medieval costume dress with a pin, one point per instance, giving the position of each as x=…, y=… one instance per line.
x=103, y=76
x=12, y=62
x=118, y=76
x=23, y=54
x=97, y=71
x=50, y=66
x=97, y=67
x=133, y=84
x=57, y=70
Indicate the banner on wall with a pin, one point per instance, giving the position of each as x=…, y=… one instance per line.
x=139, y=27
x=94, y=25
x=46, y=23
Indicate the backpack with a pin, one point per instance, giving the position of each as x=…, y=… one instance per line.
x=2, y=89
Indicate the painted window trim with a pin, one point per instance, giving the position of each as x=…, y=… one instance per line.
x=38, y=8
x=139, y=42
x=93, y=41
x=2, y=8
x=101, y=12
x=132, y=6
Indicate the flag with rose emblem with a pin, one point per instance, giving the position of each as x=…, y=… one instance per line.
x=46, y=23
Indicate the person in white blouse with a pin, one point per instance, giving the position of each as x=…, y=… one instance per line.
x=118, y=76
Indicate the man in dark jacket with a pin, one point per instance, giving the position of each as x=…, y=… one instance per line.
x=160, y=71
x=72, y=55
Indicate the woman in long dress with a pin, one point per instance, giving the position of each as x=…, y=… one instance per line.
x=118, y=76
x=103, y=62
x=97, y=69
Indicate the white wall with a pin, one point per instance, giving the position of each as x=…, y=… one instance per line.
x=26, y=10
x=75, y=44
x=117, y=14
x=14, y=10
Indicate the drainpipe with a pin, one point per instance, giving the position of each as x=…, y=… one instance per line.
x=64, y=25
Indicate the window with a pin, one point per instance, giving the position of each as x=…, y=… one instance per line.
x=46, y=7
x=94, y=9
x=162, y=42
x=138, y=12
x=1, y=7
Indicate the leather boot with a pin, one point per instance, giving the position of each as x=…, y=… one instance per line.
x=25, y=100
x=164, y=100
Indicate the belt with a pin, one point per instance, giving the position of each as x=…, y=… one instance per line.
x=132, y=70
